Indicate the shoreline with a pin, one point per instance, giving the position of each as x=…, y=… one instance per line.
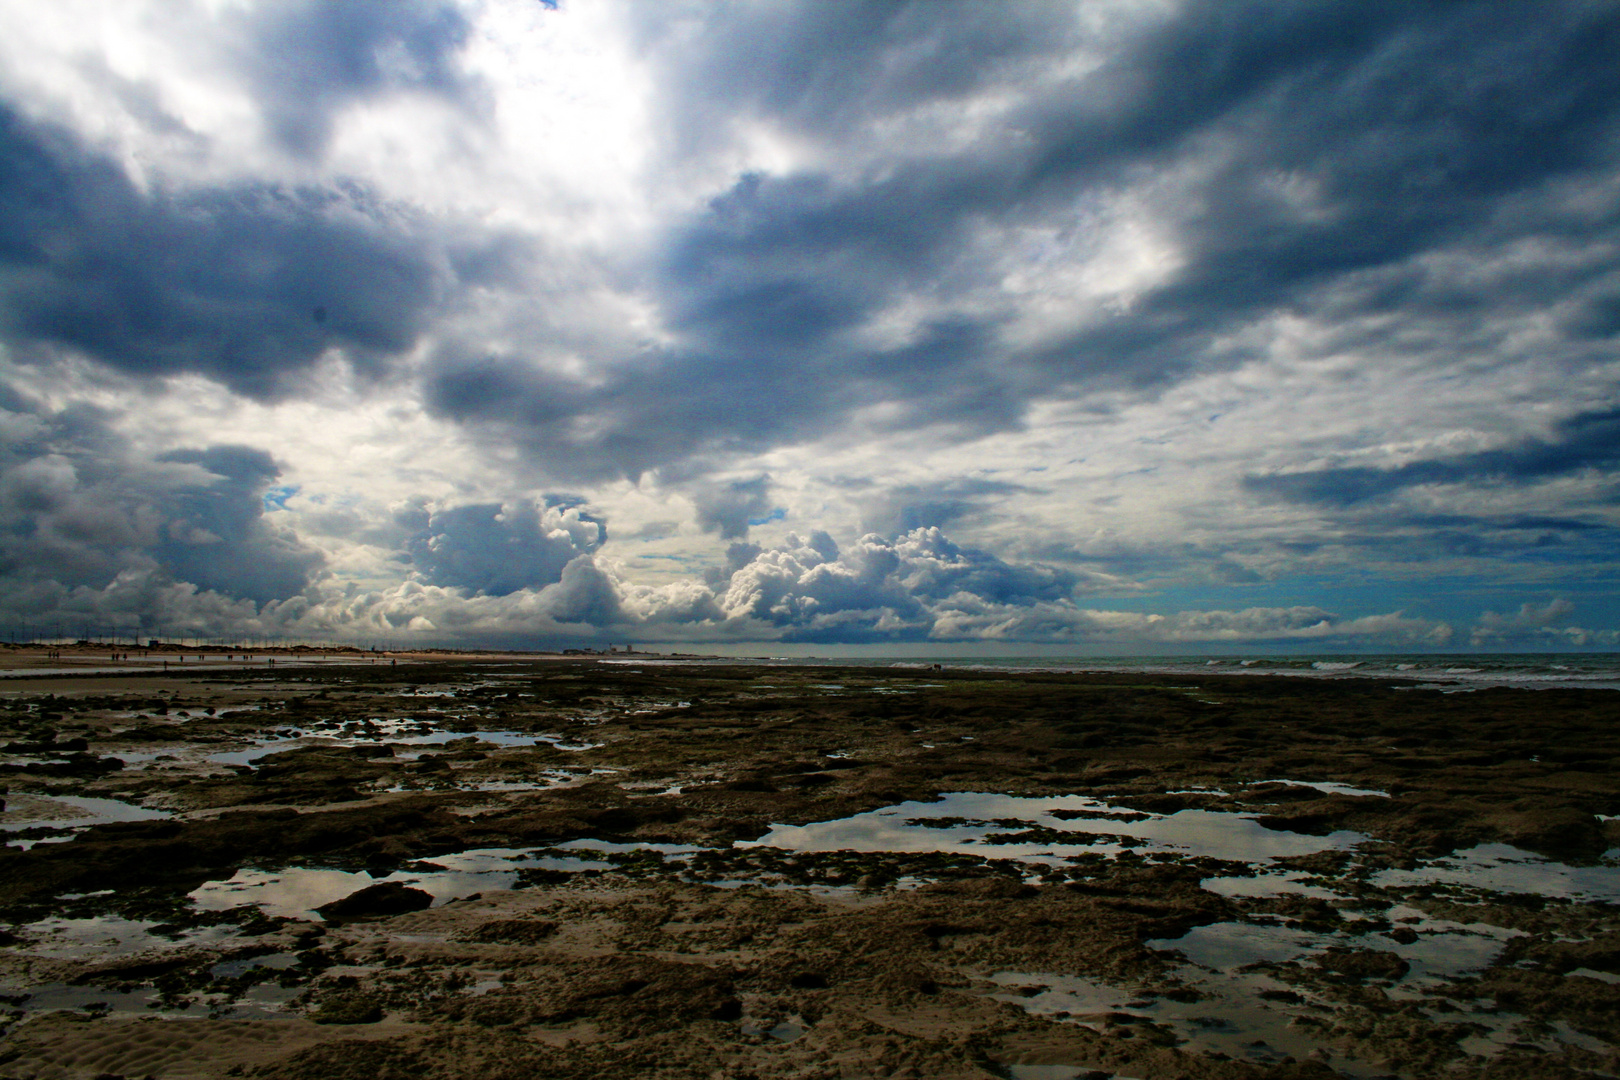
x=575, y=867
x=1448, y=672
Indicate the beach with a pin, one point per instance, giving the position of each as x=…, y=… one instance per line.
x=498, y=865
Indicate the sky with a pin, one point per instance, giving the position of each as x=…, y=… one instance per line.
x=1115, y=326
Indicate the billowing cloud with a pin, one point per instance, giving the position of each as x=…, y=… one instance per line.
x=906, y=322
x=923, y=587
x=310, y=58
x=496, y=550
x=249, y=284
x=1538, y=626
x=1128, y=201
x=218, y=537
x=730, y=508
x=81, y=508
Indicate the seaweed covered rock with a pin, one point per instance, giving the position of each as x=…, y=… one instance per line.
x=377, y=901
x=1363, y=963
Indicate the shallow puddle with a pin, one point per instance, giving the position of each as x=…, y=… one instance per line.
x=366, y=736
x=1056, y=1072
x=1504, y=1030
x=1223, y=946
x=1264, y=885
x=273, y=962
x=551, y=778
x=91, y=1000
x=1249, y=1015
x=1241, y=1010
x=1502, y=868
x=67, y=813
x=1230, y=1018
x=1047, y=830
x=403, y=732
x=781, y=1030
x=263, y=1000
x=1442, y=949
x=109, y=936
x=295, y=892
x=1328, y=788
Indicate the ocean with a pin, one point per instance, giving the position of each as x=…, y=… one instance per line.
x=1449, y=671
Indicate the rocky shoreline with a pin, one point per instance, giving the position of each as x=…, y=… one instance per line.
x=573, y=868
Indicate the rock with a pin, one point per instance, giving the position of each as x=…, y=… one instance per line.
x=374, y=901
x=348, y=1008
x=510, y=932
x=1557, y=832
x=1363, y=963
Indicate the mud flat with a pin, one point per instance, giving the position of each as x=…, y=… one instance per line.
x=509, y=868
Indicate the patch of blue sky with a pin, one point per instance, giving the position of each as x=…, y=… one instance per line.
x=276, y=498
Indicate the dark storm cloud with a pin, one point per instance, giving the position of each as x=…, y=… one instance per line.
x=248, y=284
x=1584, y=441
x=1318, y=154
x=1415, y=126
x=217, y=537
x=310, y=58
x=79, y=508
x=773, y=348
x=1410, y=122
x=820, y=67
x=496, y=550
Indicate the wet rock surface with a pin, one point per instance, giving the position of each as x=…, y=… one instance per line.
x=375, y=901
x=583, y=869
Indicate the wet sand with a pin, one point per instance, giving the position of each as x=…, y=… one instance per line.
x=510, y=866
